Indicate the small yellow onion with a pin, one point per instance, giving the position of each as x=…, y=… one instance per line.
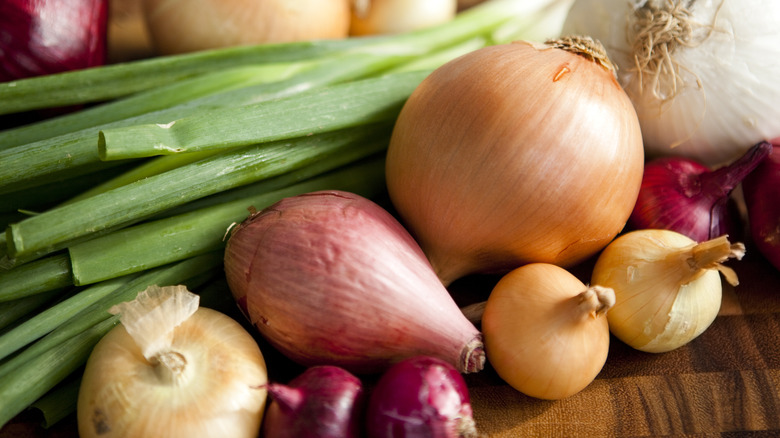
x=668, y=287
x=516, y=153
x=177, y=26
x=375, y=17
x=545, y=331
x=171, y=369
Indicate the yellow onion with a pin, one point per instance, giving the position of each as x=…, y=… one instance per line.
x=514, y=154
x=667, y=286
x=177, y=26
x=373, y=17
x=172, y=369
x=545, y=332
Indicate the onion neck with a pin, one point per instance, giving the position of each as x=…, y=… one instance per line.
x=171, y=367
x=595, y=301
x=586, y=47
x=472, y=357
x=712, y=253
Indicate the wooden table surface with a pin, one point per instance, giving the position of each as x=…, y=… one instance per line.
x=725, y=383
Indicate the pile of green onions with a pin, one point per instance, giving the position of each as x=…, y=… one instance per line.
x=140, y=186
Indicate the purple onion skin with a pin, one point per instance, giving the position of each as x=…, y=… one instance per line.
x=762, y=193
x=40, y=37
x=421, y=396
x=323, y=402
x=683, y=195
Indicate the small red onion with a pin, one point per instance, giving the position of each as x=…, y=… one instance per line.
x=332, y=278
x=683, y=195
x=420, y=397
x=762, y=193
x=39, y=37
x=323, y=402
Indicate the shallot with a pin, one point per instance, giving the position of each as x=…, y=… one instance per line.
x=420, y=397
x=45, y=37
x=761, y=189
x=683, y=195
x=322, y=402
x=332, y=278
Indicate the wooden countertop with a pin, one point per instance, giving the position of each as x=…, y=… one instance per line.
x=724, y=383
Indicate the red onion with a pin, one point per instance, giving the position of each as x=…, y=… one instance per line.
x=324, y=402
x=332, y=278
x=762, y=192
x=683, y=195
x=420, y=397
x=40, y=37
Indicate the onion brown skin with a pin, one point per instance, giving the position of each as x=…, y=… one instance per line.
x=514, y=154
x=332, y=278
x=181, y=27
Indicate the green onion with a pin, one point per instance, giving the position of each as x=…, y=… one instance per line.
x=154, y=99
x=34, y=371
x=22, y=385
x=15, y=310
x=170, y=239
x=51, y=318
x=42, y=275
x=60, y=402
x=54, y=229
x=321, y=110
x=112, y=81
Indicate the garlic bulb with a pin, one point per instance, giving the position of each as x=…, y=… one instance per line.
x=667, y=287
x=701, y=74
x=172, y=369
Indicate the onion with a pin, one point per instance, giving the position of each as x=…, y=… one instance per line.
x=372, y=17
x=172, y=369
x=331, y=278
x=420, y=397
x=761, y=189
x=178, y=26
x=683, y=195
x=45, y=37
x=324, y=402
x=667, y=287
x=700, y=73
x=546, y=333
x=513, y=154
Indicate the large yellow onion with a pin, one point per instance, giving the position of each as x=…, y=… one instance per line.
x=178, y=27
x=514, y=154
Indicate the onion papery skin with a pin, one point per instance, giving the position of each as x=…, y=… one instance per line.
x=514, y=154
x=761, y=190
x=222, y=392
x=46, y=36
x=663, y=300
x=683, y=195
x=538, y=338
x=378, y=17
x=332, y=278
x=420, y=396
x=322, y=402
x=178, y=26
x=725, y=100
